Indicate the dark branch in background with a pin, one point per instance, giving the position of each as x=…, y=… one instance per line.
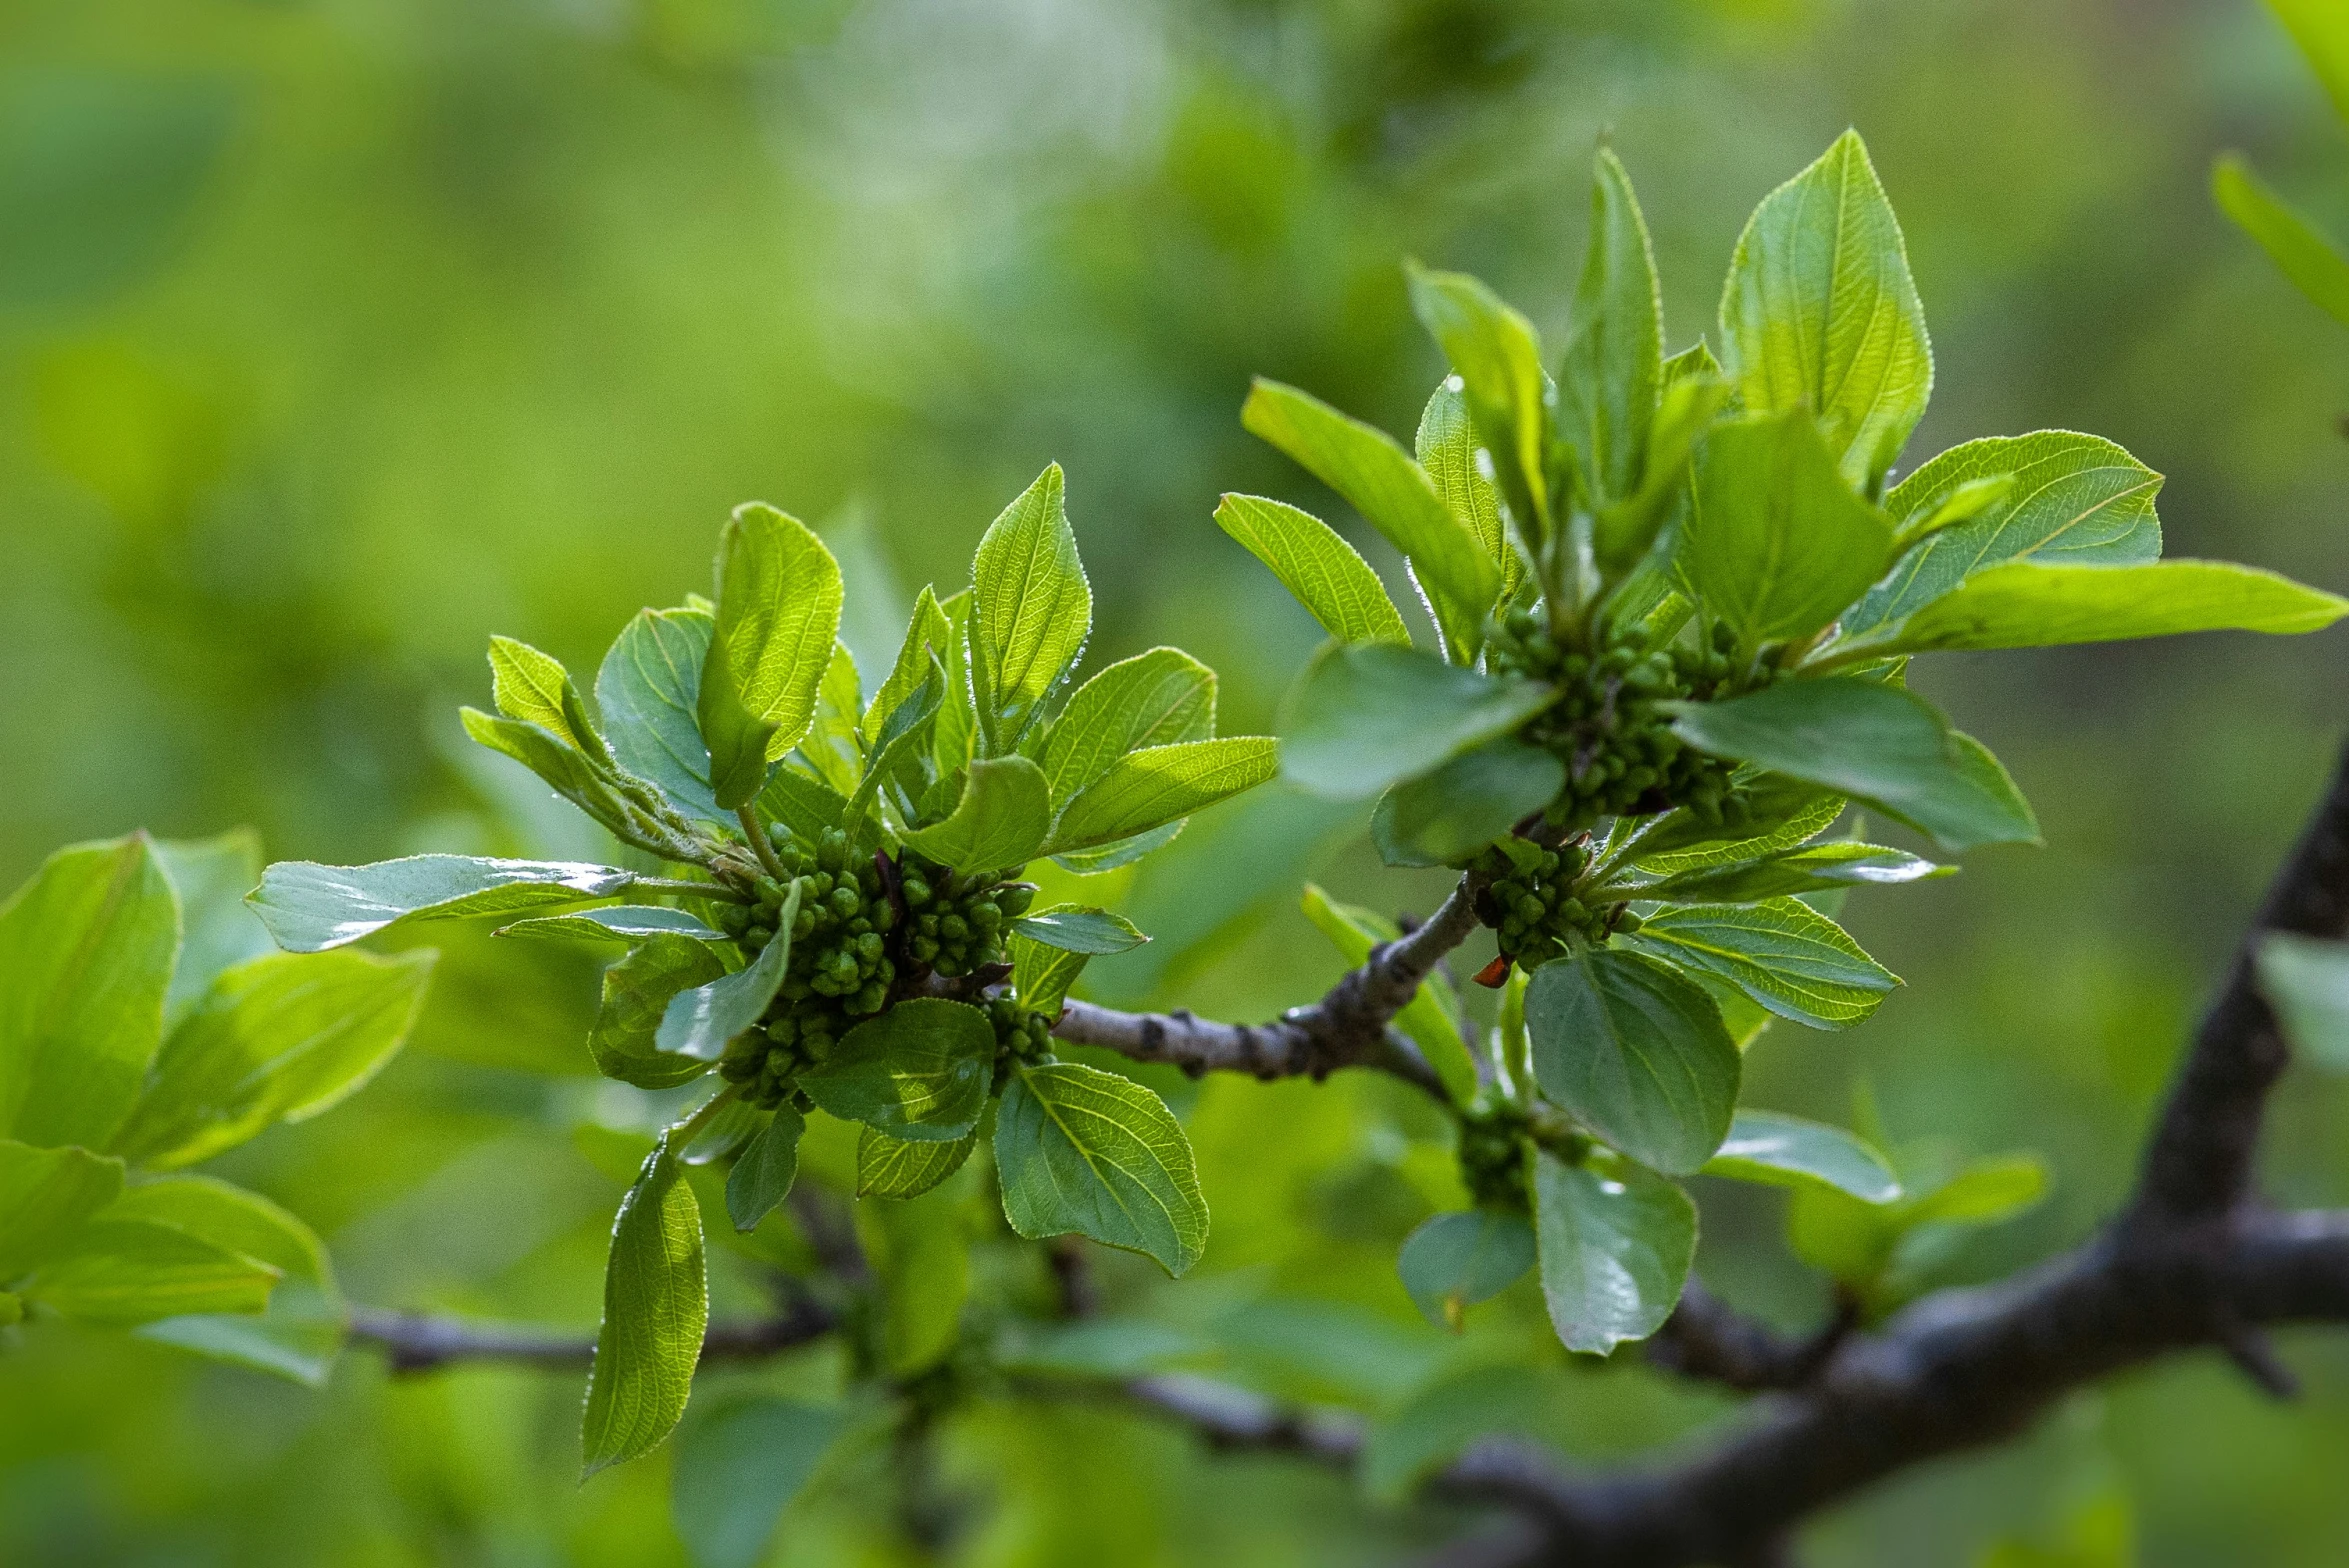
x=1348, y=1027
x=1707, y=1338
x=426, y=1342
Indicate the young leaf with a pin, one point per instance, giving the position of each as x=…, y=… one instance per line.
x=301, y=1332
x=1447, y=448
x=2071, y=499
x=281, y=1038
x=764, y=1170
x=927, y=637
x=535, y=688
x=1000, y=821
x=1077, y=928
x=120, y=1272
x=778, y=619
x=1636, y=1053
x=1394, y=495
x=1962, y=503
x=1880, y=746
x=739, y=1465
x=1615, y=1243
x=2034, y=604
x=46, y=1196
x=920, y=1071
x=636, y=994
x=1431, y=1019
x=1498, y=358
x=1161, y=784
x=1780, y=813
x=737, y=734
x=1031, y=608
x=803, y=803
x=2312, y=263
x=1623, y=533
x=1821, y=315
x=656, y=1306
x=1813, y=868
x=309, y=907
x=211, y=877
x=1456, y=1260
x=1041, y=975
x=1314, y=562
x=1784, y=955
x=1478, y=796
x=621, y=805
x=616, y=923
x=1786, y=1151
x=698, y=1023
x=1362, y=720
x=1078, y=1149
x=86, y=948
x=889, y=1167
x=2308, y=982
x=1158, y=698
x=1607, y=388
x=649, y=689
x=833, y=747
x=1775, y=543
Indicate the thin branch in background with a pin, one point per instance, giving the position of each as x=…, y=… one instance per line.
x=1707, y=1339
x=417, y=1342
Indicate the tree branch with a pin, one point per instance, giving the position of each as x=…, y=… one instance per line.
x=414, y=1342
x=1348, y=1027
x=1709, y=1339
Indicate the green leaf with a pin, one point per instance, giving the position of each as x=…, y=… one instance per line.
x=2315, y=267
x=1636, y=1053
x=889, y=1167
x=1784, y=955
x=86, y=947
x=739, y=1465
x=1780, y=813
x=1314, y=562
x=1821, y=315
x=833, y=746
x=1623, y=533
x=2072, y=499
x=281, y=1038
x=1607, y=387
x=2033, y=604
x=1962, y=503
x=1431, y=1019
x=1456, y=1260
x=1079, y=928
x=1158, y=698
x=1077, y=1149
x=637, y=992
x=1363, y=720
x=1446, y=816
x=300, y=1334
x=922, y=1261
x=1395, y=496
x=309, y=907
x=621, y=805
x=920, y=1070
x=1447, y=449
x=2323, y=35
x=1498, y=358
x=46, y=1196
x=1984, y=1193
x=1878, y=745
x=1031, y=607
x=535, y=688
x=1000, y=821
x=118, y=1273
x=616, y=923
x=1858, y=1242
x=1786, y=1151
x=1775, y=543
x=928, y=636
x=1119, y=852
x=1041, y=975
x=1160, y=784
x=649, y=689
x=656, y=1307
x=2307, y=980
x=764, y=1170
x=803, y=803
x=211, y=877
x=778, y=619
x=698, y=1023
x=1813, y=868
x=1615, y=1243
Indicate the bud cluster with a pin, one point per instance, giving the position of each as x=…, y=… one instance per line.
x=956, y=924
x=1020, y=1035
x=1492, y=1155
x=1528, y=900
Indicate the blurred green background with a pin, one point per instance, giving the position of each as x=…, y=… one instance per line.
x=337, y=334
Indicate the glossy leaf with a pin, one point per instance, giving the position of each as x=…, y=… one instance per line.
x=1365, y=719
x=1317, y=566
x=217, y=930
x=649, y=689
x=120, y=1272
x=1078, y=928
x=2307, y=981
x=1158, y=698
x=637, y=991
x=1781, y=953
x=1787, y=1151
x=656, y=1307
x=739, y=1465
x=1031, y=607
x=1160, y=784
x=889, y=1167
x=309, y=907
x=919, y=1071
x=1775, y=543
x=1446, y=816
x=777, y=621
x=1000, y=821
x=1431, y=1019
x=1078, y=1149
x=764, y=1169
x=1615, y=1243
x=1454, y=1261
x=281, y=1038
x=698, y=1023
x=1636, y=1053
x=1394, y=495
x=46, y=1196
x=1608, y=385
x=1878, y=745
x=1498, y=358
x=1447, y=448
x=1821, y=315
x=86, y=950
x=2313, y=263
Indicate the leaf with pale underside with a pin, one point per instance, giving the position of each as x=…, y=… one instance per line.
x=309, y=907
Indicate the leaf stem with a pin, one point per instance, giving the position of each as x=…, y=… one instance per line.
x=756, y=832
x=688, y=889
